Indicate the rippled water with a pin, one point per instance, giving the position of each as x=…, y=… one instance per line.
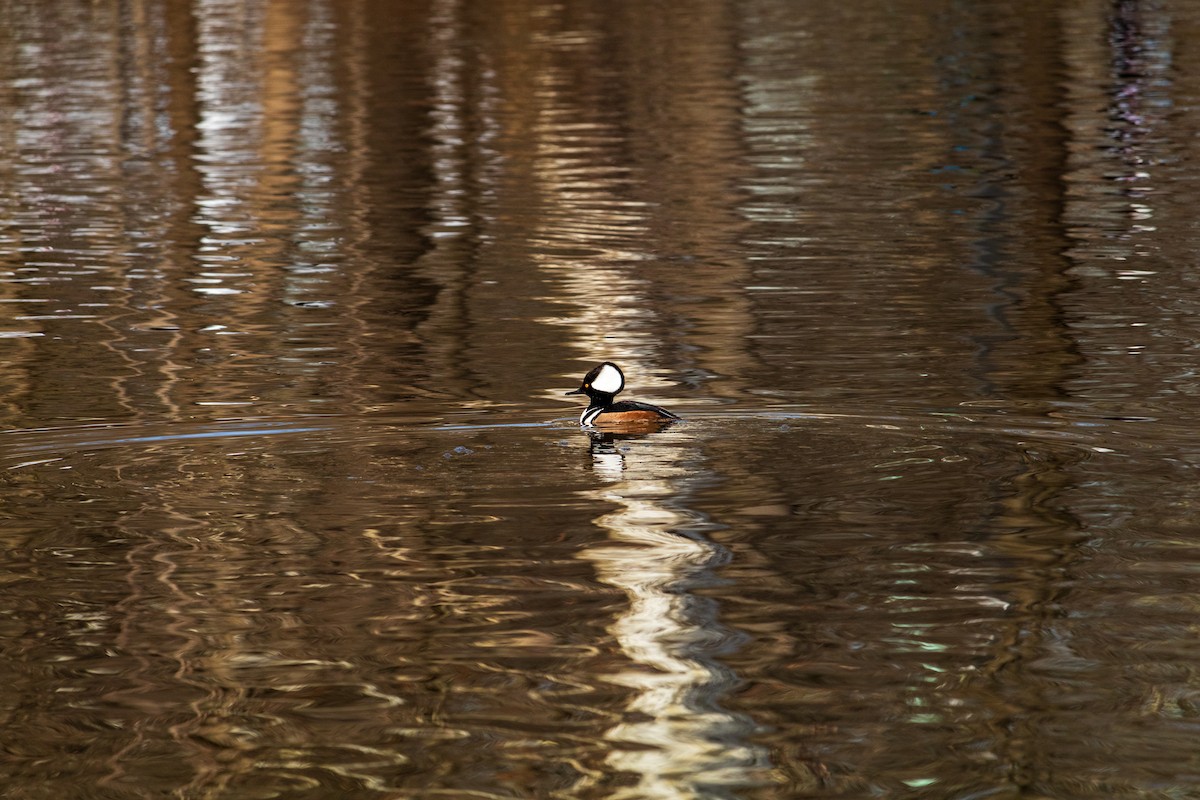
x=293, y=505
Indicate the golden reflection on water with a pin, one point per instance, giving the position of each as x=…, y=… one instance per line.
x=674, y=736
x=418, y=212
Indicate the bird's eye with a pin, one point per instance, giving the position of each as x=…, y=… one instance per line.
x=587, y=386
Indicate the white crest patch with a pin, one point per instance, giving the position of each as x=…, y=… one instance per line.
x=610, y=380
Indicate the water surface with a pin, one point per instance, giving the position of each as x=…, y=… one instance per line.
x=293, y=505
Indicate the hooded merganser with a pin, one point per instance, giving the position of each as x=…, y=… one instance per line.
x=604, y=383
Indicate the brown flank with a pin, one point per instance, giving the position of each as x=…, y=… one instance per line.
x=618, y=417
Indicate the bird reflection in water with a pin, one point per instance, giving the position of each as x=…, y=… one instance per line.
x=674, y=735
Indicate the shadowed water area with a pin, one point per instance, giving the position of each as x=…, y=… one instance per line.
x=292, y=503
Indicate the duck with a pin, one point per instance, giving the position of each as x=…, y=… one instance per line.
x=601, y=385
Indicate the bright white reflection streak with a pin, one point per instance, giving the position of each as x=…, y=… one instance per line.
x=675, y=738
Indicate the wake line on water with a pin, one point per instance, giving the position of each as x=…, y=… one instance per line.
x=1092, y=433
